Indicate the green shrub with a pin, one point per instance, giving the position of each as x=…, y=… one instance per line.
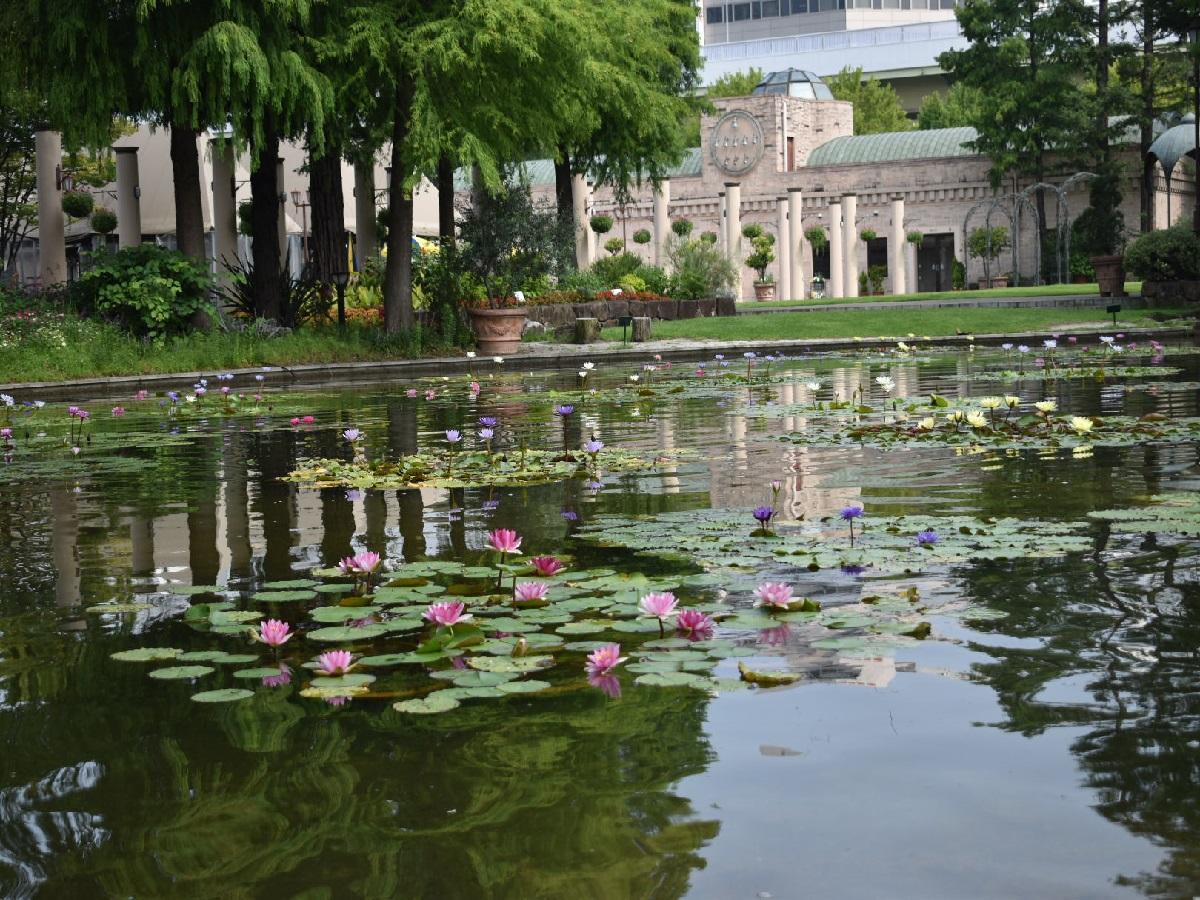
x=614, y=245
x=601, y=224
x=245, y=217
x=752, y=230
x=641, y=236
x=700, y=270
x=915, y=237
x=958, y=275
x=656, y=280
x=611, y=269
x=763, y=254
x=682, y=227
x=1170, y=254
x=632, y=283
x=147, y=290
x=817, y=238
x=709, y=237
x=868, y=235
x=585, y=283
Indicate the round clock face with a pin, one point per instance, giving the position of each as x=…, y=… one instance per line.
x=737, y=142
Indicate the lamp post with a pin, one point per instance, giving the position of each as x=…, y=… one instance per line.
x=340, y=278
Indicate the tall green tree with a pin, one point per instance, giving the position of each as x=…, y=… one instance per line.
x=960, y=106
x=735, y=84
x=1026, y=58
x=876, y=105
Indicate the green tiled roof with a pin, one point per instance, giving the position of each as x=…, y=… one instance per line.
x=893, y=146
x=540, y=172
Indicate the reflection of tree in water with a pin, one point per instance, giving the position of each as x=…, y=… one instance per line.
x=1124, y=624
x=553, y=797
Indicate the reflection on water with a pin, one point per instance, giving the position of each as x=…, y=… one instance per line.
x=114, y=785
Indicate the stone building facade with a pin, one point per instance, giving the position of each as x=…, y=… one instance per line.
x=778, y=158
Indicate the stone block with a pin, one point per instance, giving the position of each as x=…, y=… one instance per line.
x=706, y=307
x=688, y=309
x=641, y=328
x=726, y=306
x=587, y=330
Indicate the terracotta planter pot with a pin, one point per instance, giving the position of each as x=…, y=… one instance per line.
x=764, y=290
x=1110, y=273
x=498, y=331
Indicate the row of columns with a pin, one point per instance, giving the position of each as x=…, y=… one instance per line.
x=843, y=242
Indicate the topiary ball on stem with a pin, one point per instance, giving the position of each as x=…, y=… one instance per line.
x=77, y=204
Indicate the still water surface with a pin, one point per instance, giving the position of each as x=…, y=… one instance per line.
x=1051, y=753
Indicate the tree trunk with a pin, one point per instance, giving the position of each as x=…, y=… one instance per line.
x=266, y=278
x=445, y=188
x=185, y=175
x=328, y=242
x=564, y=190
x=1146, y=125
x=397, y=279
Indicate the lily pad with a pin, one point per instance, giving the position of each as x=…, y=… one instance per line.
x=177, y=673
x=147, y=654
x=436, y=702
x=259, y=672
x=225, y=695
x=510, y=663
x=284, y=596
x=523, y=687
x=347, y=633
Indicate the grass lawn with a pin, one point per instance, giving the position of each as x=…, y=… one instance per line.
x=891, y=323
x=82, y=349
x=1045, y=290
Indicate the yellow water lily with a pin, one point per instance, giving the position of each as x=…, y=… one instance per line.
x=990, y=402
x=1082, y=424
x=976, y=419
x=1011, y=402
x=956, y=417
x=1046, y=406
x=926, y=424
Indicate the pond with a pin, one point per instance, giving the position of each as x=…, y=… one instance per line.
x=984, y=685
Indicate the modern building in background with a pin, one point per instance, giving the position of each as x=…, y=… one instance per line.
x=896, y=41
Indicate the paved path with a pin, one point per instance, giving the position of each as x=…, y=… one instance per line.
x=1063, y=301
x=543, y=356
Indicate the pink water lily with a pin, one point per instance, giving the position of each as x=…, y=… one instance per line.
x=771, y=593
x=361, y=563
x=546, y=566
x=505, y=540
x=603, y=660
x=447, y=614
x=658, y=605
x=282, y=679
x=693, y=622
x=335, y=662
x=609, y=684
x=530, y=590
x=274, y=633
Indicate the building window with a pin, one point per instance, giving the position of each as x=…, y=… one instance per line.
x=799, y=6
x=741, y=11
x=756, y=9
x=715, y=15
x=770, y=8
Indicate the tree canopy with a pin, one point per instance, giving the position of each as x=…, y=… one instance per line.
x=876, y=106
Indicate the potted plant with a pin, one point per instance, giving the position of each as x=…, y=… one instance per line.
x=915, y=238
x=762, y=256
x=863, y=285
x=867, y=235
x=104, y=221
x=817, y=238
x=614, y=245
x=987, y=244
x=641, y=236
x=1100, y=229
x=505, y=242
x=877, y=275
x=77, y=204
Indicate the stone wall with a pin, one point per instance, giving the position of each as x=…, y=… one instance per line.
x=1170, y=293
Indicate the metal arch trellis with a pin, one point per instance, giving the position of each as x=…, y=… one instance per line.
x=992, y=203
x=1062, y=228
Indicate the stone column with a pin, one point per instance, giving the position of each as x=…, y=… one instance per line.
x=784, y=246
x=579, y=205
x=224, y=206
x=284, y=262
x=911, y=273
x=662, y=221
x=837, y=265
x=366, y=235
x=722, y=226
x=129, y=198
x=850, y=245
x=52, y=245
x=896, y=247
x=796, y=248
x=733, y=223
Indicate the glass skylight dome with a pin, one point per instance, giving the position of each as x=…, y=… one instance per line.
x=794, y=83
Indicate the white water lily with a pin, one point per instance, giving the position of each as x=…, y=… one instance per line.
x=813, y=385
x=1011, y=401
x=634, y=377
x=927, y=423
x=497, y=359
x=1046, y=406
x=903, y=347
x=1107, y=338
x=991, y=402
x=1082, y=424
x=976, y=419
x=589, y=366
x=956, y=417
x=470, y=354
x=885, y=382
